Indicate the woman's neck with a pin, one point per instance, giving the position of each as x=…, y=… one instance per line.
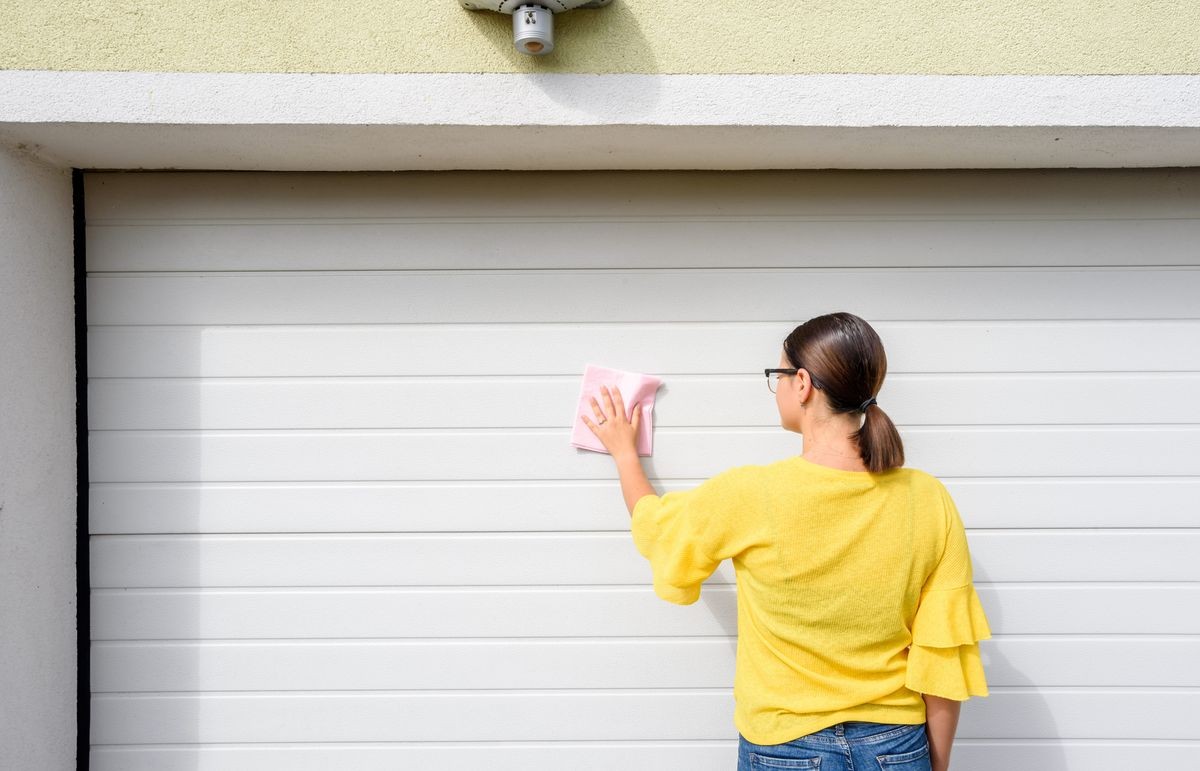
x=829, y=444
x=843, y=461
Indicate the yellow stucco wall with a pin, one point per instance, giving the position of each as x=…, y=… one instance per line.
x=644, y=36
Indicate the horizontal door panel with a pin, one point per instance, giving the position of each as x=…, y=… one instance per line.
x=528, y=350
x=1072, y=755
x=620, y=611
x=633, y=241
x=1099, y=194
x=187, y=507
x=445, y=756
x=544, y=454
x=597, y=715
x=579, y=295
x=563, y=559
x=686, y=401
x=975, y=754
x=227, y=665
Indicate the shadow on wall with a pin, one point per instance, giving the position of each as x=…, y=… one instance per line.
x=721, y=605
x=991, y=728
x=578, y=35
x=1013, y=727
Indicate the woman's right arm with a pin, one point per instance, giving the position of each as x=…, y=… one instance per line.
x=941, y=721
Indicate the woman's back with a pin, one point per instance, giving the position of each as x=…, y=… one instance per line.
x=838, y=573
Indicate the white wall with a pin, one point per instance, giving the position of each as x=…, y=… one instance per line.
x=37, y=467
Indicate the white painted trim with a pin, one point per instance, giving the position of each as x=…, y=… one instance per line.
x=314, y=122
x=562, y=99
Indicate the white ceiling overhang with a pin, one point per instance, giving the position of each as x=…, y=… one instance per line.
x=130, y=120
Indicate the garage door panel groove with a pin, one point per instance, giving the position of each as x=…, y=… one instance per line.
x=688, y=401
x=662, y=349
x=685, y=714
x=505, y=454
x=735, y=295
x=1091, y=193
x=585, y=663
x=420, y=612
x=383, y=559
x=975, y=754
x=595, y=505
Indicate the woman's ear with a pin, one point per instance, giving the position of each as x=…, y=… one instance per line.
x=803, y=385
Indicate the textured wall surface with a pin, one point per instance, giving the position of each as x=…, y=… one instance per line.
x=800, y=36
x=37, y=468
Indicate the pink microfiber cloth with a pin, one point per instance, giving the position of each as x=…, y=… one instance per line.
x=634, y=388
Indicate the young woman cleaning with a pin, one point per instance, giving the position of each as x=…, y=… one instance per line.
x=858, y=622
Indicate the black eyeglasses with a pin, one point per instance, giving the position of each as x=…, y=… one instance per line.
x=773, y=376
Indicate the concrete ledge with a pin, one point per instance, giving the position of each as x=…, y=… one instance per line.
x=569, y=121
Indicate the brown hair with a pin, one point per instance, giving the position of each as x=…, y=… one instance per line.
x=845, y=359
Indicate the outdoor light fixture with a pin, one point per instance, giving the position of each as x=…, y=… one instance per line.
x=533, y=20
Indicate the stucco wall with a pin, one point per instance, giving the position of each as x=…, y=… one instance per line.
x=976, y=37
x=37, y=468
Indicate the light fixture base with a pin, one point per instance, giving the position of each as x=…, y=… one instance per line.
x=533, y=21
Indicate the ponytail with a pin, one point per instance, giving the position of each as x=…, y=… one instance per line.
x=878, y=441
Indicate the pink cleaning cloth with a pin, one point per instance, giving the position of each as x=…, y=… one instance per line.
x=635, y=389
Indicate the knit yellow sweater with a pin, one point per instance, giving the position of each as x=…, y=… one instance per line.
x=854, y=590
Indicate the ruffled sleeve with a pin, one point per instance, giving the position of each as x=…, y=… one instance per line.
x=685, y=534
x=944, y=657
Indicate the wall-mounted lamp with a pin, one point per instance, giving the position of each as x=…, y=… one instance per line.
x=533, y=20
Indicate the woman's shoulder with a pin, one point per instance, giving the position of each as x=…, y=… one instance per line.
x=934, y=499
x=926, y=485
x=748, y=472
x=920, y=476
x=740, y=481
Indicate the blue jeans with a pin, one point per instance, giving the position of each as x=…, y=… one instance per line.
x=849, y=746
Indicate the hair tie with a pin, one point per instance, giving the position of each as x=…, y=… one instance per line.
x=863, y=407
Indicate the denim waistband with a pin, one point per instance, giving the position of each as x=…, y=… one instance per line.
x=859, y=732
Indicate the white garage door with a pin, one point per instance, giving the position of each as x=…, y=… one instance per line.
x=337, y=522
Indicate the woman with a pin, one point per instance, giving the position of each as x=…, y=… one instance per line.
x=858, y=623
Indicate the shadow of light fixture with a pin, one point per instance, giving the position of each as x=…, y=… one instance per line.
x=533, y=20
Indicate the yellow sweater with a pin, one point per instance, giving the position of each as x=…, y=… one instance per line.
x=854, y=590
